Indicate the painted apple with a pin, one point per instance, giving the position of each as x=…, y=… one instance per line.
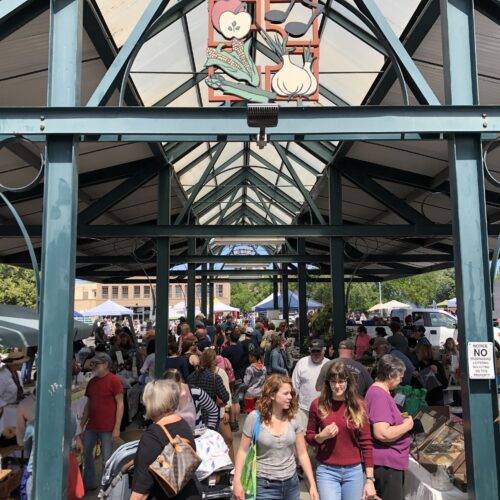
x=235, y=25
x=221, y=6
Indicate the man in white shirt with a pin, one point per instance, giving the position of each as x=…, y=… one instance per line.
x=306, y=374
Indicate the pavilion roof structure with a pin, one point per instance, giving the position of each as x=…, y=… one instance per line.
x=236, y=183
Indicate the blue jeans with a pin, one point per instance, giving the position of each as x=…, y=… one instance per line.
x=340, y=482
x=89, y=441
x=26, y=371
x=278, y=490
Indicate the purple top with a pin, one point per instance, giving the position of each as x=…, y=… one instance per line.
x=382, y=408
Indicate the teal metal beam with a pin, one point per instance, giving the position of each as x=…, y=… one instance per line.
x=191, y=287
x=479, y=397
x=269, y=166
x=302, y=297
x=53, y=403
x=416, y=81
x=274, y=219
x=218, y=124
x=289, y=231
x=162, y=272
x=110, y=80
x=206, y=154
x=267, y=198
x=203, y=291
x=219, y=217
x=382, y=195
x=284, y=292
x=211, y=297
x=305, y=193
x=119, y=193
x=337, y=251
x=181, y=89
x=199, y=185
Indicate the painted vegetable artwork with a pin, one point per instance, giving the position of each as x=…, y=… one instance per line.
x=237, y=32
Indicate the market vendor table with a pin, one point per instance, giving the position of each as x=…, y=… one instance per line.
x=418, y=482
x=78, y=401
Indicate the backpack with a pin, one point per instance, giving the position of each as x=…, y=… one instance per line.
x=226, y=365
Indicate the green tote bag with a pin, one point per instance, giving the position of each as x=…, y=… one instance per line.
x=249, y=472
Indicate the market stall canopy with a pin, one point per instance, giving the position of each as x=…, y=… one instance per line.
x=221, y=307
x=293, y=303
x=108, y=308
x=19, y=327
x=393, y=304
x=376, y=307
x=452, y=302
x=76, y=314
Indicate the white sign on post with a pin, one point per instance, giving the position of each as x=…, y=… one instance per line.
x=480, y=357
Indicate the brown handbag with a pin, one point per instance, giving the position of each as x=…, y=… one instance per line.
x=218, y=401
x=176, y=464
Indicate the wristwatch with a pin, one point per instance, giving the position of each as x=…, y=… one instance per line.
x=372, y=479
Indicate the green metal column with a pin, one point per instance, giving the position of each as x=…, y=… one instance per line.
x=191, y=286
x=203, y=288
x=302, y=282
x=211, y=297
x=337, y=257
x=162, y=272
x=284, y=293
x=53, y=440
x=479, y=397
x=275, y=291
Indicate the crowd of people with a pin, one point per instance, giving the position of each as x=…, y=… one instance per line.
x=328, y=411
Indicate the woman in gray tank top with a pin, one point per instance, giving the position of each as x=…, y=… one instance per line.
x=281, y=435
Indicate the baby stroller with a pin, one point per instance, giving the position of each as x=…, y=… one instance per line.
x=116, y=483
x=215, y=472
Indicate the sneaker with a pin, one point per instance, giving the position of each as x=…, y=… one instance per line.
x=234, y=426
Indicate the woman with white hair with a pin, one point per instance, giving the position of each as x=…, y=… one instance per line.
x=161, y=399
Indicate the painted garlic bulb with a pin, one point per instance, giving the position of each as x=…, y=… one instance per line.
x=292, y=80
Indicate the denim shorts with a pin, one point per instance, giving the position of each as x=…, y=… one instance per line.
x=288, y=489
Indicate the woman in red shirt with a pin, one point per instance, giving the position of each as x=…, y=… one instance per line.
x=339, y=428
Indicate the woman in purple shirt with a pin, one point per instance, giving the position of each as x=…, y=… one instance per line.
x=391, y=442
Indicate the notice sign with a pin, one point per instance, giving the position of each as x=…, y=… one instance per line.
x=480, y=357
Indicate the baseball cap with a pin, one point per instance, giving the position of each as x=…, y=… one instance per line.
x=346, y=344
x=317, y=345
x=100, y=358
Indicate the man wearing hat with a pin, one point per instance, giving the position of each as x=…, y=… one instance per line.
x=102, y=415
x=346, y=355
x=11, y=390
x=306, y=373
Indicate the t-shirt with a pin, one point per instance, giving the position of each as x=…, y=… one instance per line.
x=382, y=408
x=275, y=454
x=150, y=446
x=355, y=367
x=350, y=446
x=101, y=392
x=304, y=377
x=362, y=342
x=180, y=363
x=236, y=355
x=204, y=343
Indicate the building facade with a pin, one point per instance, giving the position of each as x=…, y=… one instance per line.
x=139, y=298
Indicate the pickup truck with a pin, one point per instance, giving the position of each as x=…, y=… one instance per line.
x=439, y=325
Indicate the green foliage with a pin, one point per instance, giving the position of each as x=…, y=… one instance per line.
x=17, y=286
x=246, y=295
x=420, y=290
x=321, y=321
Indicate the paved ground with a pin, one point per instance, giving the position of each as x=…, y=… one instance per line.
x=133, y=433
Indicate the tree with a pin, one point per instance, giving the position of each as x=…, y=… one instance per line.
x=246, y=295
x=17, y=286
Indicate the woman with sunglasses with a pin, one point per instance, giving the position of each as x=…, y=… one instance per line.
x=339, y=428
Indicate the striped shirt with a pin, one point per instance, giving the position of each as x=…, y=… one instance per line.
x=207, y=413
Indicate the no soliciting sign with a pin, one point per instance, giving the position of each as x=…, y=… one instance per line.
x=480, y=356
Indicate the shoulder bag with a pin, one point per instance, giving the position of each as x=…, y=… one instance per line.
x=249, y=471
x=176, y=464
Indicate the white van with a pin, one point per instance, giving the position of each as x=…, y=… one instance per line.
x=439, y=325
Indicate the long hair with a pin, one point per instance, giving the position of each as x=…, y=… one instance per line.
x=207, y=361
x=355, y=411
x=270, y=388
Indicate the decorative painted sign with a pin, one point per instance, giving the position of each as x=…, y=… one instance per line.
x=238, y=30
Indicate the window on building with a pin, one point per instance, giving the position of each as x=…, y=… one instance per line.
x=137, y=292
x=105, y=292
x=124, y=292
x=147, y=292
x=85, y=295
x=114, y=292
x=94, y=293
x=219, y=291
x=178, y=292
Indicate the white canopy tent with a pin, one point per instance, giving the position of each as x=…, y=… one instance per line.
x=108, y=308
